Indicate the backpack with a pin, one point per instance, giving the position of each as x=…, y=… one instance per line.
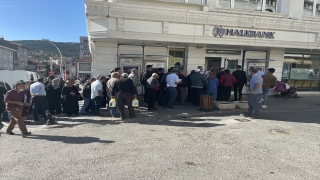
x=143, y=78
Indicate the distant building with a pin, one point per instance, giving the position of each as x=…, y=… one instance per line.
x=7, y=51
x=83, y=67
x=84, y=47
x=20, y=58
x=38, y=67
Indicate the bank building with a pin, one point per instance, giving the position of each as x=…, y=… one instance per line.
x=282, y=34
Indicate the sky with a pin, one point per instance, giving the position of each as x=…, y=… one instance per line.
x=57, y=20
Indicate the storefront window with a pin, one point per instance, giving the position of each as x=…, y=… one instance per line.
x=84, y=67
x=251, y=5
x=302, y=71
x=176, y=58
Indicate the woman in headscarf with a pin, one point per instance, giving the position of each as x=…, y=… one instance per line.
x=53, y=95
x=70, y=95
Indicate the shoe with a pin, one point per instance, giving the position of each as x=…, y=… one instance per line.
x=245, y=115
x=51, y=123
x=10, y=133
x=261, y=101
x=264, y=106
x=255, y=117
x=26, y=134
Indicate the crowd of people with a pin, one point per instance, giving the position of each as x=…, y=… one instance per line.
x=50, y=96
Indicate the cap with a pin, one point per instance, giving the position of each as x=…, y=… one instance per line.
x=197, y=70
x=132, y=70
x=20, y=82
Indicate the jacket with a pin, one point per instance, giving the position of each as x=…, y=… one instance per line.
x=124, y=85
x=227, y=79
x=212, y=85
x=240, y=76
x=197, y=80
x=145, y=76
x=269, y=81
x=110, y=85
x=135, y=79
x=185, y=82
x=87, y=91
x=152, y=82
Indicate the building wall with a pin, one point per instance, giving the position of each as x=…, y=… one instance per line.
x=6, y=58
x=84, y=47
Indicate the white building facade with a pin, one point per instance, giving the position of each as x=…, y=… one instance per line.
x=281, y=34
x=6, y=58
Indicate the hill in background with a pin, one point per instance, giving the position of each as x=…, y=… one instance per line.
x=68, y=49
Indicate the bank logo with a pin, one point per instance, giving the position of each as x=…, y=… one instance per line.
x=220, y=31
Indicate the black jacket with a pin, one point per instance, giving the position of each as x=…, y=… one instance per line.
x=240, y=76
x=145, y=76
x=87, y=90
x=185, y=82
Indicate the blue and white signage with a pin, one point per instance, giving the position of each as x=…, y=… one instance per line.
x=220, y=31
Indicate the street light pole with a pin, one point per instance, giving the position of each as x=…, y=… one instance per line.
x=59, y=52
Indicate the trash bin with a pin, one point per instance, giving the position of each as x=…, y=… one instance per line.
x=206, y=103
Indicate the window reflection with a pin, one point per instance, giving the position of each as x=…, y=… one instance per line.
x=176, y=58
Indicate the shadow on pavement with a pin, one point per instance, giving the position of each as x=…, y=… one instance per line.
x=181, y=123
x=70, y=140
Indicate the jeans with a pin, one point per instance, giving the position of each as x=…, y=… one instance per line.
x=171, y=95
x=196, y=93
x=39, y=104
x=254, y=104
x=265, y=95
x=97, y=104
x=113, y=110
x=86, y=102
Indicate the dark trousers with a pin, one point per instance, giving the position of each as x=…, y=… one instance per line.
x=237, y=88
x=151, y=97
x=195, y=94
x=39, y=104
x=122, y=99
x=183, y=94
x=145, y=97
x=219, y=93
x=226, y=93
x=97, y=104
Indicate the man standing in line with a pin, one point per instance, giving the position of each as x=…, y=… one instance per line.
x=145, y=76
x=97, y=94
x=260, y=73
x=118, y=70
x=219, y=93
x=110, y=84
x=134, y=77
x=255, y=95
x=241, y=78
x=183, y=87
x=197, y=82
x=226, y=81
x=126, y=91
x=40, y=102
x=152, y=83
x=172, y=81
x=14, y=100
x=269, y=82
x=208, y=72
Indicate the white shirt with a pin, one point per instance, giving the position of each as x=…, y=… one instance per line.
x=260, y=73
x=172, y=79
x=95, y=87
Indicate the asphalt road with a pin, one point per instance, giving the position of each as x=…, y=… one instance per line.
x=284, y=145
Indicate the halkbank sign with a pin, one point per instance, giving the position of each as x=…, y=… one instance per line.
x=220, y=31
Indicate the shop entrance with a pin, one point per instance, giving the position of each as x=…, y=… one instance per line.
x=215, y=62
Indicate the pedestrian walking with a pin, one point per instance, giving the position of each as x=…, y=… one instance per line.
x=14, y=100
x=97, y=94
x=87, y=101
x=269, y=82
x=241, y=79
x=152, y=84
x=183, y=87
x=125, y=90
x=197, y=82
x=255, y=95
x=39, y=101
x=212, y=86
x=172, y=81
x=110, y=84
x=226, y=81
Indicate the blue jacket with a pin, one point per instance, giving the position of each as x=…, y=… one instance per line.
x=212, y=85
